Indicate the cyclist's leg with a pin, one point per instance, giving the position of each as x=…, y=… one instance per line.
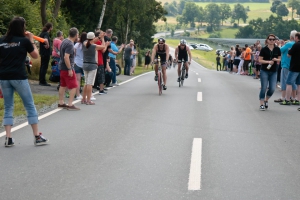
x=179, y=68
x=164, y=73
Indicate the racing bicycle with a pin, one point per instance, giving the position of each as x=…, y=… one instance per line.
x=183, y=73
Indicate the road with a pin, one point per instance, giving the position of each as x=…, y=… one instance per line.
x=134, y=144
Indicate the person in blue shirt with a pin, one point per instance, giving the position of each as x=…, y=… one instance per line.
x=113, y=52
x=285, y=65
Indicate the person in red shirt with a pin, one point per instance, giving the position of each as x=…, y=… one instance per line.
x=100, y=71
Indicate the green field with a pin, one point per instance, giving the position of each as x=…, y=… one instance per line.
x=261, y=10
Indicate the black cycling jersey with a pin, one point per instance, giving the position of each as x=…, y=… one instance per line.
x=182, y=54
x=161, y=53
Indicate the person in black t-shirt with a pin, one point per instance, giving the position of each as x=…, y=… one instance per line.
x=294, y=73
x=14, y=47
x=269, y=57
x=45, y=52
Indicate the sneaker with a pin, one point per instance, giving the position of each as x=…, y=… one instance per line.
x=115, y=84
x=278, y=100
x=93, y=98
x=78, y=98
x=285, y=102
x=62, y=106
x=295, y=102
x=186, y=75
x=40, y=140
x=178, y=80
x=266, y=104
x=9, y=142
x=156, y=77
x=164, y=87
x=72, y=108
x=105, y=89
x=298, y=109
x=108, y=86
x=262, y=108
x=67, y=95
x=102, y=92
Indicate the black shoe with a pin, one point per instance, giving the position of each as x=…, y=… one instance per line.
x=186, y=75
x=102, y=92
x=109, y=86
x=156, y=77
x=105, y=89
x=164, y=87
x=178, y=80
x=266, y=104
x=262, y=108
x=44, y=84
x=9, y=142
x=40, y=140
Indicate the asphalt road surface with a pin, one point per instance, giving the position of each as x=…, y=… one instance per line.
x=205, y=140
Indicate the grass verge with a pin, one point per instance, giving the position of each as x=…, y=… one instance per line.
x=40, y=101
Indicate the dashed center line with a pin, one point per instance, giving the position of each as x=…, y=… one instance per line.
x=199, y=96
x=196, y=73
x=195, y=167
x=199, y=80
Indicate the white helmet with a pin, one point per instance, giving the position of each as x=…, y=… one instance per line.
x=183, y=41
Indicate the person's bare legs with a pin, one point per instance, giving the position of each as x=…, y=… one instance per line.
x=84, y=93
x=164, y=71
x=78, y=77
x=288, y=92
x=187, y=67
x=72, y=93
x=101, y=86
x=61, y=93
x=179, y=69
x=294, y=94
x=89, y=92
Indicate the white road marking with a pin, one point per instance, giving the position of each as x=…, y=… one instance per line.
x=197, y=74
x=195, y=167
x=59, y=109
x=199, y=96
x=199, y=80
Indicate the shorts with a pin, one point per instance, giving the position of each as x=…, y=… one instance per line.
x=133, y=62
x=89, y=77
x=78, y=70
x=67, y=81
x=246, y=64
x=180, y=59
x=293, y=77
x=257, y=67
x=100, y=75
x=163, y=62
x=283, y=77
x=236, y=62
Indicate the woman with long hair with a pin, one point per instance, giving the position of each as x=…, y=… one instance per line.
x=269, y=57
x=78, y=62
x=14, y=47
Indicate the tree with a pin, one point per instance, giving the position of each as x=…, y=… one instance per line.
x=180, y=6
x=212, y=15
x=225, y=12
x=239, y=12
x=282, y=10
x=189, y=13
x=294, y=4
x=201, y=16
x=274, y=5
x=102, y=14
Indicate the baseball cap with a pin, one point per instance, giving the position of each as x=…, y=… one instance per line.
x=90, y=35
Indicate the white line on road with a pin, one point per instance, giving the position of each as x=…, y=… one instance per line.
x=195, y=167
x=199, y=96
x=199, y=80
x=197, y=74
x=59, y=109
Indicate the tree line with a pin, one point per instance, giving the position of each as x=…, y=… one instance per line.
x=213, y=14
x=129, y=19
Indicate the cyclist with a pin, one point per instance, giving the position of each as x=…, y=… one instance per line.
x=183, y=54
x=161, y=49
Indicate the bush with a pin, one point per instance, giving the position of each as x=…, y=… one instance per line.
x=209, y=29
x=235, y=25
x=215, y=35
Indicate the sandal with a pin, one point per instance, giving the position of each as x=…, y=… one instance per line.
x=83, y=101
x=90, y=103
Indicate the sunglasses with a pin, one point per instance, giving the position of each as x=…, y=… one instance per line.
x=271, y=39
x=160, y=43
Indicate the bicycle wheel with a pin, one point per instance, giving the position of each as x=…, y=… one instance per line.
x=159, y=83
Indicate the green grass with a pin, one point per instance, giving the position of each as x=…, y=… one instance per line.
x=39, y=100
x=206, y=59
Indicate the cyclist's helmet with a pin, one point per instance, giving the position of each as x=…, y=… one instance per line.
x=161, y=40
x=183, y=41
